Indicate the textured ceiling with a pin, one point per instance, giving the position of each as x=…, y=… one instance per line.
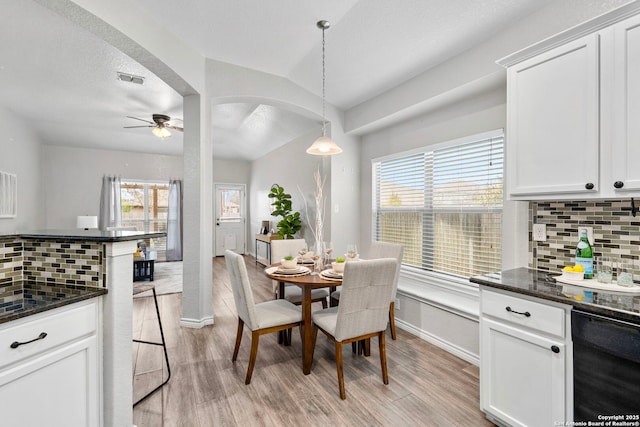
x=62, y=79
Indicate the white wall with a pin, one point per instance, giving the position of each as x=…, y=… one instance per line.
x=464, y=96
x=292, y=168
x=73, y=178
x=21, y=154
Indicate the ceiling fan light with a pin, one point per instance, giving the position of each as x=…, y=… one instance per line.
x=324, y=146
x=161, y=132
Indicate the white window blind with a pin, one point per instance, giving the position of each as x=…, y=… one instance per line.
x=444, y=205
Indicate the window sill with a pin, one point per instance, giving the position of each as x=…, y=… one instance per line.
x=457, y=296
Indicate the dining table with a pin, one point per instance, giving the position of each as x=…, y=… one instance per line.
x=307, y=282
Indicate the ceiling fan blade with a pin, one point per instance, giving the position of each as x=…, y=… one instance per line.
x=131, y=127
x=179, y=129
x=142, y=120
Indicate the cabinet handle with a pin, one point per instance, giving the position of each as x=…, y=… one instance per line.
x=525, y=314
x=589, y=186
x=555, y=349
x=618, y=184
x=17, y=344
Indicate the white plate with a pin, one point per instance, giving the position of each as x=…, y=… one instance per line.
x=275, y=271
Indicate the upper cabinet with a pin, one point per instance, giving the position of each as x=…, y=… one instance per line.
x=573, y=112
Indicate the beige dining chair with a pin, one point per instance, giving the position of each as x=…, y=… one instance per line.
x=262, y=318
x=292, y=293
x=385, y=250
x=362, y=313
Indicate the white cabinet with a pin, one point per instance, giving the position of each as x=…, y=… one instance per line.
x=553, y=132
x=525, y=361
x=572, y=106
x=626, y=114
x=54, y=380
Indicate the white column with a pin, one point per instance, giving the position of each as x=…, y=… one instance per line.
x=197, y=307
x=117, y=347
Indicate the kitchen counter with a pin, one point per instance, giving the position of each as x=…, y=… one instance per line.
x=92, y=235
x=540, y=284
x=24, y=298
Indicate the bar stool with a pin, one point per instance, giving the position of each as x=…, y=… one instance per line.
x=138, y=289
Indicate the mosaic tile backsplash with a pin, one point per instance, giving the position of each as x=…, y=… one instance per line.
x=51, y=261
x=615, y=230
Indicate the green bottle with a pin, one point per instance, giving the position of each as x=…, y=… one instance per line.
x=584, y=255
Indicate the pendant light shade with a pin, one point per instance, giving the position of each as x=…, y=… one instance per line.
x=323, y=146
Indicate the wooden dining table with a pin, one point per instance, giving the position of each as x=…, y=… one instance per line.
x=307, y=283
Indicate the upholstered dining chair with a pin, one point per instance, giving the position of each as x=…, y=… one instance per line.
x=262, y=318
x=292, y=293
x=385, y=250
x=362, y=313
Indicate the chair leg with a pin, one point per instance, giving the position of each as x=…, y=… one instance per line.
x=324, y=303
x=355, y=348
x=255, y=339
x=238, y=339
x=162, y=343
x=383, y=357
x=392, y=319
x=367, y=347
x=343, y=394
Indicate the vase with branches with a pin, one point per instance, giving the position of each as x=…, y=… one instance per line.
x=318, y=224
x=290, y=223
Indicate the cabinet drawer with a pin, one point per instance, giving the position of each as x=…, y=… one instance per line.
x=541, y=317
x=61, y=326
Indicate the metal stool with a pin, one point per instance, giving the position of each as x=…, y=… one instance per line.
x=138, y=289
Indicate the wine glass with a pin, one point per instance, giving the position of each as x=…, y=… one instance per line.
x=352, y=251
x=301, y=252
x=328, y=250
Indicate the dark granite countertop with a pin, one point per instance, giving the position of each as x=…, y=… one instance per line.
x=24, y=298
x=92, y=235
x=540, y=284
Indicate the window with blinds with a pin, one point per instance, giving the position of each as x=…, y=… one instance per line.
x=444, y=205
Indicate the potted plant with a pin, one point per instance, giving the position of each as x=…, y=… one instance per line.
x=289, y=262
x=338, y=265
x=290, y=223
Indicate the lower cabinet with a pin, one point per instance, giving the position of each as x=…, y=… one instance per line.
x=525, y=361
x=54, y=380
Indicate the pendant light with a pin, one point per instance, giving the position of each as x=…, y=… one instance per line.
x=324, y=145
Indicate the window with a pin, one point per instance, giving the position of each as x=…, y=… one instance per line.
x=444, y=205
x=145, y=206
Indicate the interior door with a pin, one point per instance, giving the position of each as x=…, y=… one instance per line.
x=230, y=212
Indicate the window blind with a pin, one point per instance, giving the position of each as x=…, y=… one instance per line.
x=444, y=205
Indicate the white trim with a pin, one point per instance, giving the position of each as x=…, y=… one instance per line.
x=454, y=295
x=464, y=140
x=196, y=323
x=438, y=342
x=593, y=25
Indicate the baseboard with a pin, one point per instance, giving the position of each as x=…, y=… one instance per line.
x=196, y=323
x=439, y=342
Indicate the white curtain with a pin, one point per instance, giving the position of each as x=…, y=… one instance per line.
x=174, y=221
x=110, y=203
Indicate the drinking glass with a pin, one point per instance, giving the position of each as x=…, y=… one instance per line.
x=327, y=251
x=352, y=251
x=604, y=270
x=625, y=273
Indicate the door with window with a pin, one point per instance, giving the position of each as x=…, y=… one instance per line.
x=229, y=210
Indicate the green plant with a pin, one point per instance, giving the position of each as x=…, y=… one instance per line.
x=290, y=223
x=288, y=258
x=340, y=259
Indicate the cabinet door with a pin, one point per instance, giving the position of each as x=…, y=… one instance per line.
x=58, y=388
x=626, y=110
x=521, y=377
x=553, y=121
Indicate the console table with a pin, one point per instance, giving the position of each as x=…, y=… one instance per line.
x=266, y=239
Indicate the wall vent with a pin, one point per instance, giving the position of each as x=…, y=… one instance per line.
x=130, y=78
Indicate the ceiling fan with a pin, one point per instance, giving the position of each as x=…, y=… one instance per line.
x=160, y=125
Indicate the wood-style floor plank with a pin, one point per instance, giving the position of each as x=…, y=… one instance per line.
x=427, y=385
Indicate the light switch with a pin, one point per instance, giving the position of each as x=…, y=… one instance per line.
x=540, y=232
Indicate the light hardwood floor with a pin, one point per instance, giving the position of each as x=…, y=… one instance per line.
x=427, y=385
